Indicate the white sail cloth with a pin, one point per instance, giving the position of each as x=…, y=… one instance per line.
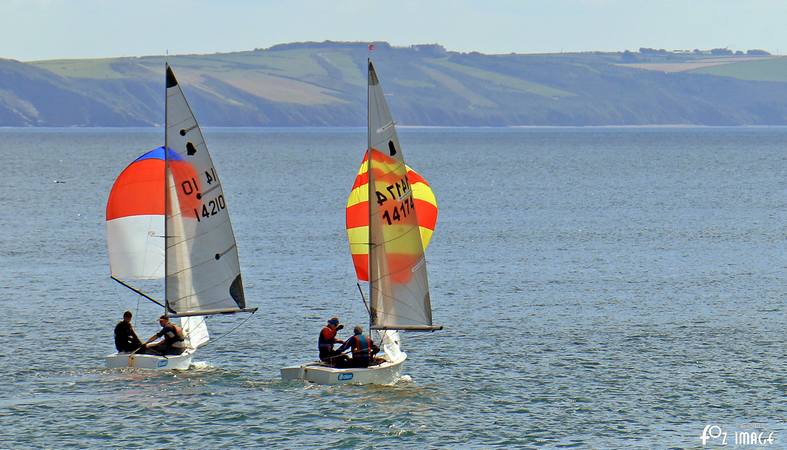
x=202, y=267
x=136, y=247
x=399, y=289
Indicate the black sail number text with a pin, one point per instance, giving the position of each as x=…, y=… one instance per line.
x=401, y=206
x=207, y=209
x=210, y=209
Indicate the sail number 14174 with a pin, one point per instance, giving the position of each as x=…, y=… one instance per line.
x=403, y=204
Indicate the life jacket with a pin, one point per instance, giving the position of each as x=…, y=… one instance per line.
x=327, y=338
x=174, y=336
x=361, y=348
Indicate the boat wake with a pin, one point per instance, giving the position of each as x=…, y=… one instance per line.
x=200, y=365
x=404, y=379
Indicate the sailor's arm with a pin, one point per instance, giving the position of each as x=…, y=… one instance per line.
x=154, y=337
x=347, y=344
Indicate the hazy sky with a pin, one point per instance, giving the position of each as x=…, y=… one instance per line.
x=45, y=29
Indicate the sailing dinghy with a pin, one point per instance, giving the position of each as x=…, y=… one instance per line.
x=167, y=219
x=391, y=213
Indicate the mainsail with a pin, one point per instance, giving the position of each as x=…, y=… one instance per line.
x=398, y=285
x=202, y=268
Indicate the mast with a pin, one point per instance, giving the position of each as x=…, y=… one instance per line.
x=166, y=182
x=370, y=184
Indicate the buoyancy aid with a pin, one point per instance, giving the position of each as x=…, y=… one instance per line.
x=173, y=336
x=327, y=339
x=361, y=348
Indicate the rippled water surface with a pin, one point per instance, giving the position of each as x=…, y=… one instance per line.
x=598, y=287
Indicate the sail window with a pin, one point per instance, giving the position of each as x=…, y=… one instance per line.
x=190, y=149
x=391, y=148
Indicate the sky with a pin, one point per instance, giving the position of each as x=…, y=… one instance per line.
x=54, y=29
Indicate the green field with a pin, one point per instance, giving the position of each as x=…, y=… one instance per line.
x=764, y=70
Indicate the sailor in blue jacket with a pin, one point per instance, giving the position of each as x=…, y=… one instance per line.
x=363, y=348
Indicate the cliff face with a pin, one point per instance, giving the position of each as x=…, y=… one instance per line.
x=324, y=84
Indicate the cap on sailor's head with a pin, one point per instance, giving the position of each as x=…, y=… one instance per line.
x=333, y=321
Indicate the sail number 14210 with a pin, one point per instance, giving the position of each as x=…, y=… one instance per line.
x=209, y=208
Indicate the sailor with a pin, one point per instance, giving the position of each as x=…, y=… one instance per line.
x=126, y=339
x=363, y=348
x=173, y=342
x=327, y=339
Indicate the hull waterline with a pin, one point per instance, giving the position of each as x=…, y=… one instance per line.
x=315, y=372
x=151, y=362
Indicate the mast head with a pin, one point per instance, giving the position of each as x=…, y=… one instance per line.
x=373, y=81
x=171, y=81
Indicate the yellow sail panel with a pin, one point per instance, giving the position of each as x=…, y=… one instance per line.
x=357, y=215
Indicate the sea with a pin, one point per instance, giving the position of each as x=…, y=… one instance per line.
x=598, y=288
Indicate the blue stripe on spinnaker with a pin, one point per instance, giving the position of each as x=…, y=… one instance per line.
x=158, y=153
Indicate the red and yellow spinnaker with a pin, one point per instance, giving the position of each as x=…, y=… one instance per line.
x=358, y=215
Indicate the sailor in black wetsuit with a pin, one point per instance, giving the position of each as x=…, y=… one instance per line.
x=173, y=342
x=126, y=339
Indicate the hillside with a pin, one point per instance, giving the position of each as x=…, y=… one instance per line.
x=323, y=84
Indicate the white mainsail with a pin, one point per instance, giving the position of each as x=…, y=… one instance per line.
x=398, y=285
x=202, y=267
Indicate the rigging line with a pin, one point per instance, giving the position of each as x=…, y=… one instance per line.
x=208, y=260
x=412, y=269
x=136, y=313
x=399, y=305
x=189, y=334
x=392, y=273
x=401, y=235
x=227, y=333
x=415, y=336
x=390, y=315
x=404, y=315
x=207, y=231
x=369, y=311
x=137, y=291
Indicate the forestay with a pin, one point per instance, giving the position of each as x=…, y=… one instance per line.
x=202, y=268
x=398, y=285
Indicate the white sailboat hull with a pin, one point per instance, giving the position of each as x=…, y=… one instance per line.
x=152, y=362
x=318, y=373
